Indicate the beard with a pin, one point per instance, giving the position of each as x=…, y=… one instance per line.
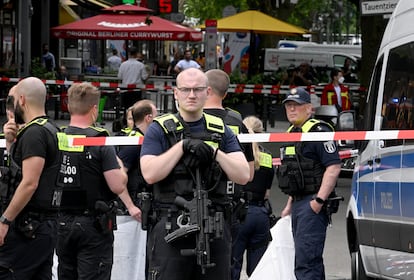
x=18, y=114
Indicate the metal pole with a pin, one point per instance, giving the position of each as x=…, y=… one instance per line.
x=24, y=55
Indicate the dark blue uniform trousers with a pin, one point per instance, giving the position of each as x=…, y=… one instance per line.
x=251, y=235
x=309, y=234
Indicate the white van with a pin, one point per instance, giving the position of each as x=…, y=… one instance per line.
x=380, y=215
x=354, y=50
x=275, y=59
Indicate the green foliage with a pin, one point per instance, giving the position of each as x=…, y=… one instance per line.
x=317, y=15
x=39, y=71
x=211, y=9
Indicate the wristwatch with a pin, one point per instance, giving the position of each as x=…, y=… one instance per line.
x=4, y=220
x=319, y=200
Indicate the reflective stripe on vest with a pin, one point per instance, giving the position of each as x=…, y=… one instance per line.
x=265, y=160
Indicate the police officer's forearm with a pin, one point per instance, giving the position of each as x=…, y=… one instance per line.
x=32, y=168
x=116, y=179
x=20, y=199
x=134, y=211
x=329, y=180
x=251, y=168
x=235, y=166
x=155, y=168
x=288, y=208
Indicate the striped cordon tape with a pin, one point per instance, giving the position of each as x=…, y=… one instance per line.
x=264, y=137
x=233, y=88
x=257, y=137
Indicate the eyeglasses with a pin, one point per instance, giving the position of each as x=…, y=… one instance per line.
x=196, y=90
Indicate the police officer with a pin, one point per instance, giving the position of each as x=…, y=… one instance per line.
x=89, y=180
x=253, y=234
x=308, y=174
x=28, y=223
x=143, y=112
x=219, y=83
x=172, y=158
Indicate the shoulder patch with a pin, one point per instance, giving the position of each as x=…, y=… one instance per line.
x=329, y=147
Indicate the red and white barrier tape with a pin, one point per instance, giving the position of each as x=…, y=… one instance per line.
x=267, y=137
x=342, y=155
x=233, y=88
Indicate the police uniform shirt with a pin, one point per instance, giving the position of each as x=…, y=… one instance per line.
x=130, y=154
x=263, y=178
x=35, y=141
x=106, y=155
x=247, y=147
x=130, y=158
x=324, y=152
x=156, y=142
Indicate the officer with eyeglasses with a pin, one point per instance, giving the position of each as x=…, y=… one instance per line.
x=183, y=155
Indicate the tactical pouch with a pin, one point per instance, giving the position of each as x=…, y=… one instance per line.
x=290, y=179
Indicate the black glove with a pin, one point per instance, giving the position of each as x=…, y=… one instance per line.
x=198, y=148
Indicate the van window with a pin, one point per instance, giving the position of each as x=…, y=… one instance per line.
x=399, y=90
x=372, y=97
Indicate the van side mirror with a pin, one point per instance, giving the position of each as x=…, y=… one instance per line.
x=346, y=120
x=327, y=113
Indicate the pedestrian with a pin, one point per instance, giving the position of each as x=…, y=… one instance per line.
x=28, y=220
x=62, y=73
x=253, y=235
x=335, y=93
x=186, y=62
x=132, y=73
x=303, y=76
x=90, y=182
x=170, y=70
x=176, y=161
x=163, y=66
x=114, y=61
x=308, y=174
x=48, y=59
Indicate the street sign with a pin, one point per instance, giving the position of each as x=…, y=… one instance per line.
x=211, y=42
x=378, y=7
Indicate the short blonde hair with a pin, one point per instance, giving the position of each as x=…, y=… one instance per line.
x=82, y=97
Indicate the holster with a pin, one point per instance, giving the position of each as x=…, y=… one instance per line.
x=27, y=224
x=145, y=204
x=105, y=219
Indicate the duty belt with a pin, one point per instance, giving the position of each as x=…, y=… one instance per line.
x=298, y=197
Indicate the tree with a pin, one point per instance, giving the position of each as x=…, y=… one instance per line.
x=203, y=10
x=307, y=14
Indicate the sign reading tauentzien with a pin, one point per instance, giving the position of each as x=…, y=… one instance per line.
x=378, y=7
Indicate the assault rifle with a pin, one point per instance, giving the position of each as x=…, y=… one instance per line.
x=199, y=221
